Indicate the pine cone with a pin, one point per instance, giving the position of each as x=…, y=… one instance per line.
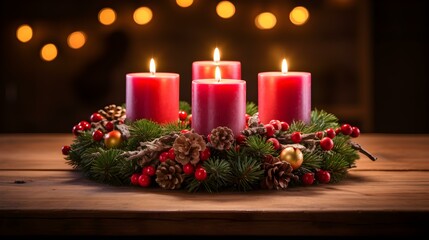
x=169, y=175
x=113, y=112
x=277, y=174
x=187, y=148
x=222, y=138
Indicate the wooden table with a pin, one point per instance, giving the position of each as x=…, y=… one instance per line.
x=387, y=197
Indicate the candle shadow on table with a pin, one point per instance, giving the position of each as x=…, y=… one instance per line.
x=94, y=84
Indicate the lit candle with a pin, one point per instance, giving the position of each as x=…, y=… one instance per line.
x=152, y=95
x=218, y=102
x=206, y=69
x=284, y=96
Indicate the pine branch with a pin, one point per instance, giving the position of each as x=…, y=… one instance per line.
x=79, y=146
x=106, y=167
x=312, y=161
x=251, y=108
x=173, y=127
x=258, y=147
x=247, y=173
x=142, y=131
x=337, y=165
x=219, y=176
x=323, y=120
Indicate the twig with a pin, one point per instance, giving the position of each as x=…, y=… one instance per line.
x=363, y=151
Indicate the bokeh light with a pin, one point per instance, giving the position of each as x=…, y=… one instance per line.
x=49, y=52
x=106, y=16
x=225, y=9
x=299, y=15
x=142, y=15
x=184, y=3
x=24, y=33
x=265, y=20
x=76, y=40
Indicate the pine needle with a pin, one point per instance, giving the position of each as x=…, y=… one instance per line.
x=251, y=108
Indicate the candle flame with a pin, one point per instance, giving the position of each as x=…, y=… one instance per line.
x=217, y=74
x=152, y=68
x=216, y=55
x=284, y=66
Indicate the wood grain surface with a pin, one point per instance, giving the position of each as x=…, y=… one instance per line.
x=388, y=197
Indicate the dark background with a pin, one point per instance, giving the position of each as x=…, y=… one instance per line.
x=368, y=59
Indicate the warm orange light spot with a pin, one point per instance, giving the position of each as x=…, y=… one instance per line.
x=225, y=9
x=265, y=20
x=106, y=16
x=299, y=15
x=49, y=52
x=184, y=3
x=284, y=66
x=142, y=15
x=24, y=33
x=76, y=40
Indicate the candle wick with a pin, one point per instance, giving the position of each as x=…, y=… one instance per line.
x=152, y=73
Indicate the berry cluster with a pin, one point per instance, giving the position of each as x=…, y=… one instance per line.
x=185, y=119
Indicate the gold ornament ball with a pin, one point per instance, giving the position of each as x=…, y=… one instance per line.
x=112, y=139
x=293, y=156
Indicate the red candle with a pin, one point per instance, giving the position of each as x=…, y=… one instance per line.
x=218, y=102
x=153, y=96
x=206, y=69
x=284, y=96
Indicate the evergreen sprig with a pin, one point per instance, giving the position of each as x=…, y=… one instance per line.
x=106, y=167
x=219, y=176
x=247, y=173
x=258, y=147
x=251, y=108
x=142, y=131
x=185, y=106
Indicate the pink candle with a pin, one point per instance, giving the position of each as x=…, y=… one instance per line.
x=206, y=69
x=153, y=96
x=284, y=96
x=218, y=103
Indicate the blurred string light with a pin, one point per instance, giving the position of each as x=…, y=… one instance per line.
x=299, y=15
x=49, y=52
x=225, y=9
x=265, y=20
x=106, y=16
x=24, y=33
x=184, y=3
x=76, y=40
x=142, y=15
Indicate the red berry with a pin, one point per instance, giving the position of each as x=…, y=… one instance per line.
x=188, y=169
x=270, y=130
x=247, y=116
x=149, y=170
x=296, y=137
x=109, y=126
x=285, y=126
x=96, y=117
x=200, y=174
x=163, y=157
x=330, y=133
x=337, y=130
x=184, y=131
x=135, y=179
x=183, y=115
x=276, y=124
x=77, y=129
x=319, y=135
x=323, y=176
x=240, y=139
x=86, y=125
x=326, y=143
x=204, y=155
x=144, y=180
x=307, y=178
x=66, y=150
x=171, y=154
x=97, y=135
x=355, y=132
x=346, y=129
x=209, y=136
x=275, y=142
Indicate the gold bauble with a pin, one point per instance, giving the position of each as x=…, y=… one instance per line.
x=293, y=156
x=112, y=139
